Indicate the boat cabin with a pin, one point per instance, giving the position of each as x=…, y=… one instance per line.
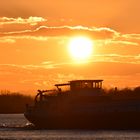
x=82, y=84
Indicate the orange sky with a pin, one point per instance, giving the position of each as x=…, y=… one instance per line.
x=34, y=38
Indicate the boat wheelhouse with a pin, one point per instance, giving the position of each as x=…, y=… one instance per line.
x=76, y=85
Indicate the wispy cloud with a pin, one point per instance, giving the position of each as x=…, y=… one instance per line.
x=31, y=20
x=131, y=36
x=96, y=33
x=44, y=65
x=41, y=77
x=123, y=42
x=117, y=58
x=7, y=40
x=36, y=28
x=20, y=24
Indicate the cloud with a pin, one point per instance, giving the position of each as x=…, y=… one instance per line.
x=36, y=28
x=123, y=42
x=20, y=24
x=44, y=65
x=117, y=58
x=132, y=39
x=19, y=77
x=132, y=36
x=7, y=40
x=13, y=38
x=31, y=20
x=96, y=58
x=96, y=33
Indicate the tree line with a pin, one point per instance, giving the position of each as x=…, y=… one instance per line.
x=14, y=102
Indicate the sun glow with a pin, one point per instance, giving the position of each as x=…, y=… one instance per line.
x=80, y=48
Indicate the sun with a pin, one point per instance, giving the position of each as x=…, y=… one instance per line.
x=80, y=48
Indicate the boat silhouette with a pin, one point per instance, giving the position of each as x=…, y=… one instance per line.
x=83, y=105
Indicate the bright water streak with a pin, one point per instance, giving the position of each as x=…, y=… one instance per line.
x=14, y=127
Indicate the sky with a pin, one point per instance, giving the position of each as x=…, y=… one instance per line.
x=35, y=37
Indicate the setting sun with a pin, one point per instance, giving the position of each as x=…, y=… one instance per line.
x=43, y=43
x=80, y=48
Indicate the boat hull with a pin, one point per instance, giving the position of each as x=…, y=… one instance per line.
x=112, y=120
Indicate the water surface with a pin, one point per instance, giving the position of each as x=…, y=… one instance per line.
x=14, y=126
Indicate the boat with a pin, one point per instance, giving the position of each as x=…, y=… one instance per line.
x=83, y=104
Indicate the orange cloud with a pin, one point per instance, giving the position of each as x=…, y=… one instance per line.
x=41, y=32
x=20, y=24
x=7, y=40
x=117, y=58
x=35, y=28
x=96, y=33
x=29, y=77
x=124, y=42
x=19, y=20
x=132, y=36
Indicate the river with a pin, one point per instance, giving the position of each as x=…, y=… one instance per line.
x=15, y=126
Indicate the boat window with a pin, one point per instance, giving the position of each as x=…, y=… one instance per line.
x=86, y=85
x=89, y=84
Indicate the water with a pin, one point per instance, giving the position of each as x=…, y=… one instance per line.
x=14, y=126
